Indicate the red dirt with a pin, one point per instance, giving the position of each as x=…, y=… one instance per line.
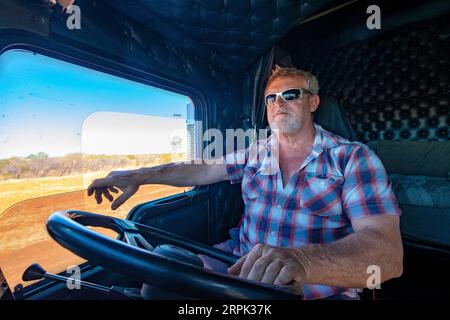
x=24, y=239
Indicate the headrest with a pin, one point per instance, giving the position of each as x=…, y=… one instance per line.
x=331, y=116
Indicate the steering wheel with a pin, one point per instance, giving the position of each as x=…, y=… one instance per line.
x=137, y=259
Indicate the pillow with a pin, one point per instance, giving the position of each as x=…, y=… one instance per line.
x=421, y=191
x=425, y=158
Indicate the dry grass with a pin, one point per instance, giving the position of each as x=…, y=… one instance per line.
x=26, y=204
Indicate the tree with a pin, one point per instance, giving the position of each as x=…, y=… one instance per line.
x=39, y=155
x=16, y=167
x=11, y=170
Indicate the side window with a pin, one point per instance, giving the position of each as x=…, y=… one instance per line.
x=63, y=125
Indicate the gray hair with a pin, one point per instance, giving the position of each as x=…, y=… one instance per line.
x=288, y=72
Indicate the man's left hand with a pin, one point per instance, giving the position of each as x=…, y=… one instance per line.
x=272, y=265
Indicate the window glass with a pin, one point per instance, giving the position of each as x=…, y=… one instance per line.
x=63, y=125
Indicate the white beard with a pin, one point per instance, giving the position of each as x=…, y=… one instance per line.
x=285, y=126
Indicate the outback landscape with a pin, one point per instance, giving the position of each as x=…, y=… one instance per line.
x=27, y=201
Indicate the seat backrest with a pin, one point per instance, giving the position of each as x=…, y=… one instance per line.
x=331, y=116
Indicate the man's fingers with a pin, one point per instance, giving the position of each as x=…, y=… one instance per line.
x=102, y=186
x=98, y=196
x=112, y=189
x=253, y=255
x=122, y=198
x=119, y=201
x=108, y=195
x=235, y=269
x=97, y=183
x=259, y=268
x=272, y=272
x=90, y=190
x=285, y=277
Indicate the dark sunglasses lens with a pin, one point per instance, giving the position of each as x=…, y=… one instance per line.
x=292, y=94
x=271, y=98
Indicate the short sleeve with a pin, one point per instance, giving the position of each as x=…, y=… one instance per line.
x=367, y=190
x=235, y=163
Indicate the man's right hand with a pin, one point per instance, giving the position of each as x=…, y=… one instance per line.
x=126, y=181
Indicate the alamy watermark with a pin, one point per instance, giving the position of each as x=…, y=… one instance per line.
x=374, y=280
x=374, y=20
x=74, y=279
x=215, y=148
x=74, y=19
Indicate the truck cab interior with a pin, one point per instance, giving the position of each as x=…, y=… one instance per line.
x=384, y=85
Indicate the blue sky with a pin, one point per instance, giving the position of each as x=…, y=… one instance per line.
x=44, y=103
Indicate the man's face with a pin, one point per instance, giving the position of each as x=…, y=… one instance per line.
x=289, y=117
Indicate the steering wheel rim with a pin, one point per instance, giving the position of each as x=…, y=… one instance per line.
x=69, y=229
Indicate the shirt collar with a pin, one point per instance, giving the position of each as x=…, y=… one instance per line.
x=323, y=140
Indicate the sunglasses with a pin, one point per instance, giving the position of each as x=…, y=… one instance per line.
x=287, y=95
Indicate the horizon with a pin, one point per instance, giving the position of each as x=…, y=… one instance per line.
x=92, y=154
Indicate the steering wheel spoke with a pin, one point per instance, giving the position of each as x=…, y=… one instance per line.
x=135, y=239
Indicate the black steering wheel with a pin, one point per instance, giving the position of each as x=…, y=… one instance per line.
x=137, y=259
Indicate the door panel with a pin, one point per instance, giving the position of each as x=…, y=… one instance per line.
x=185, y=214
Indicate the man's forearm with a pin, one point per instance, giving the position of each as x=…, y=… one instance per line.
x=344, y=263
x=182, y=174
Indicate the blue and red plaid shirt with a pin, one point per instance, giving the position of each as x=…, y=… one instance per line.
x=338, y=182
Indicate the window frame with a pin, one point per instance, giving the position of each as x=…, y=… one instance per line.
x=102, y=62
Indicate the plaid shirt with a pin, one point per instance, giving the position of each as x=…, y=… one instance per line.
x=338, y=182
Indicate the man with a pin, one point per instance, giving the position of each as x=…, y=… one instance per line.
x=319, y=223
